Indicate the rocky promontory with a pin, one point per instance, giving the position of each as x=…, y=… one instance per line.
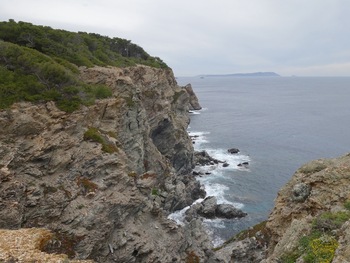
x=310, y=221
x=104, y=178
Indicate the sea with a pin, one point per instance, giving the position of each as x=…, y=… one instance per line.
x=277, y=123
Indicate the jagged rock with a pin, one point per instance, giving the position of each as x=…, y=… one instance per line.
x=233, y=150
x=203, y=158
x=194, y=104
x=244, y=164
x=300, y=192
x=52, y=176
x=209, y=208
x=228, y=211
x=298, y=205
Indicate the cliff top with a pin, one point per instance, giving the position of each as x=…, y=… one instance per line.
x=38, y=63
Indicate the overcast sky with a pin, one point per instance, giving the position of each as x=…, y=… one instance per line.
x=289, y=37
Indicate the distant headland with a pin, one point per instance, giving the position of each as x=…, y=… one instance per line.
x=254, y=74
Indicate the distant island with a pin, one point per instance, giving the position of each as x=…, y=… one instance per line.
x=254, y=74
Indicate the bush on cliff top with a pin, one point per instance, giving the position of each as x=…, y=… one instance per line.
x=39, y=64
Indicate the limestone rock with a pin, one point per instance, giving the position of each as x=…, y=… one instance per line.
x=194, y=103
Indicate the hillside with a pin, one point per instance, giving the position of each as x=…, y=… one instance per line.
x=38, y=63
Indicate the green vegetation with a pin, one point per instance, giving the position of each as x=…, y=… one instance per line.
x=93, y=134
x=330, y=221
x=321, y=243
x=347, y=205
x=155, y=191
x=39, y=64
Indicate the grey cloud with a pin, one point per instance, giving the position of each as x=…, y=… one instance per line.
x=194, y=37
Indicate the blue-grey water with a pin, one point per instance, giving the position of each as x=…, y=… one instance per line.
x=278, y=123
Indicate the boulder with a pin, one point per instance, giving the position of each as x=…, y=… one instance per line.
x=203, y=158
x=233, y=150
x=193, y=101
x=208, y=209
x=300, y=192
x=228, y=211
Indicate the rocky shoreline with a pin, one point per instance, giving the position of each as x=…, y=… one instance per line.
x=98, y=184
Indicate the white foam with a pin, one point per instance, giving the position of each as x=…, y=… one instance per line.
x=199, y=139
x=232, y=159
x=179, y=216
x=210, y=226
x=196, y=112
x=217, y=190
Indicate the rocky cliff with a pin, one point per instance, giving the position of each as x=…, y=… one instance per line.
x=104, y=177
x=309, y=223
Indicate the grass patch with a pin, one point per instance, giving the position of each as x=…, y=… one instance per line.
x=155, y=191
x=319, y=249
x=347, y=205
x=94, y=134
x=321, y=244
x=330, y=221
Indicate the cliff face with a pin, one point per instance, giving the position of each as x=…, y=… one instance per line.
x=104, y=177
x=310, y=221
x=314, y=200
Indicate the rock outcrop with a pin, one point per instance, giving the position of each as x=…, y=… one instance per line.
x=209, y=208
x=104, y=178
x=193, y=100
x=310, y=220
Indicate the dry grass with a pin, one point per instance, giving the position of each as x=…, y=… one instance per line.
x=24, y=245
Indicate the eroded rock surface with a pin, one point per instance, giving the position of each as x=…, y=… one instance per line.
x=107, y=192
x=319, y=188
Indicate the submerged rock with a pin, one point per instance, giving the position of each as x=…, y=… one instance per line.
x=233, y=150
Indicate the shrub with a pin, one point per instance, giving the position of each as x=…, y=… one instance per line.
x=329, y=221
x=347, y=205
x=109, y=147
x=321, y=249
x=93, y=134
x=155, y=191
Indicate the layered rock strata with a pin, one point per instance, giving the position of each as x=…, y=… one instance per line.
x=104, y=178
